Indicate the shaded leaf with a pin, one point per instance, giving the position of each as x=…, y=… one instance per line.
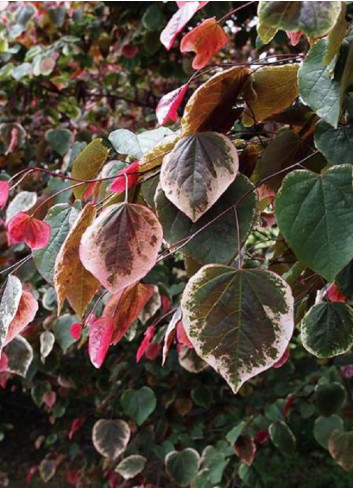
x=23, y=228
x=198, y=170
x=20, y=356
x=182, y=466
x=324, y=426
x=47, y=469
x=282, y=437
x=138, y=404
x=256, y=311
x=130, y=466
x=245, y=449
x=170, y=334
x=10, y=297
x=168, y=105
x=335, y=144
x=59, y=140
x=312, y=209
x=71, y=279
x=340, y=446
x=47, y=340
x=330, y=398
x=121, y=245
x=110, y=437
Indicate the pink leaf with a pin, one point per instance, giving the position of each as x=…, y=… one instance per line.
x=282, y=360
x=100, y=336
x=90, y=190
x=130, y=51
x=31, y=471
x=27, y=309
x=288, y=404
x=49, y=399
x=149, y=334
x=4, y=361
x=23, y=228
x=166, y=304
x=179, y=20
x=181, y=335
x=168, y=105
x=262, y=436
x=334, y=294
x=205, y=40
x=76, y=330
x=75, y=426
x=152, y=351
x=294, y=37
x=4, y=192
x=132, y=175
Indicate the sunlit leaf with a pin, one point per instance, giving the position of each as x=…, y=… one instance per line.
x=10, y=296
x=26, y=311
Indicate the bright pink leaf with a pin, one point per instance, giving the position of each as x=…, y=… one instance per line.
x=31, y=471
x=152, y=351
x=205, y=40
x=179, y=20
x=26, y=311
x=113, y=478
x=282, y=360
x=294, y=37
x=132, y=175
x=181, y=335
x=75, y=426
x=168, y=105
x=90, y=190
x=100, y=336
x=4, y=192
x=334, y=294
x=4, y=361
x=49, y=399
x=76, y=330
x=149, y=334
x=23, y=228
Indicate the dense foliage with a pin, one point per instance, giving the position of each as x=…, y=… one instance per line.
x=176, y=298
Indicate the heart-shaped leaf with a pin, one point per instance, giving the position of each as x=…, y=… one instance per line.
x=219, y=242
x=130, y=466
x=327, y=329
x=324, y=426
x=182, y=466
x=110, y=437
x=138, y=404
x=26, y=311
x=335, y=144
x=315, y=215
x=71, y=279
x=340, y=446
x=197, y=172
x=121, y=245
x=239, y=321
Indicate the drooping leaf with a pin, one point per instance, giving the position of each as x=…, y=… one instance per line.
x=131, y=466
x=20, y=356
x=198, y=170
x=23, y=228
x=245, y=449
x=315, y=19
x=88, y=164
x=124, y=308
x=170, y=334
x=10, y=296
x=110, y=437
x=24, y=201
x=239, y=321
x=121, y=245
x=330, y=398
x=282, y=437
x=177, y=23
x=168, y=105
x=60, y=218
x=327, y=329
x=324, y=426
x=205, y=40
x=335, y=144
x=26, y=311
x=314, y=209
x=219, y=242
x=190, y=361
x=100, y=337
x=340, y=446
x=138, y=404
x=71, y=279
x=317, y=87
x=182, y=466
x=210, y=108
x=59, y=140
x=275, y=88
x=135, y=145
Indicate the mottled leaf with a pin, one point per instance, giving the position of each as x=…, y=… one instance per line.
x=10, y=296
x=182, y=466
x=110, y=437
x=340, y=446
x=26, y=311
x=135, y=145
x=20, y=356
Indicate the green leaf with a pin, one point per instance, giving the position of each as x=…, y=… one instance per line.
x=340, y=446
x=329, y=398
x=110, y=437
x=10, y=296
x=324, y=426
x=211, y=467
x=20, y=355
x=235, y=432
x=135, y=145
x=315, y=19
x=202, y=396
x=60, y=218
x=130, y=466
x=197, y=172
x=335, y=144
x=138, y=404
x=59, y=140
x=314, y=214
x=239, y=321
x=88, y=164
x=22, y=202
x=153, y=19
x=182, y=466
x=282, y=437
x=327, y=329
x=316, y=86
x=61, y=329
x=344, y=280
x=219, y=242
x=336, y=37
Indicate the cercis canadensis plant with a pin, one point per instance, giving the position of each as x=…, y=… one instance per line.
x=260, y=145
